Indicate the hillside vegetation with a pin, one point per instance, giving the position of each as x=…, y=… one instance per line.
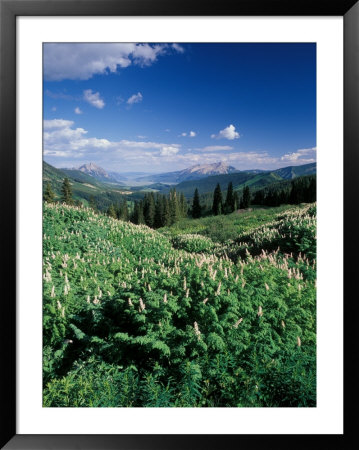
x=136, y=317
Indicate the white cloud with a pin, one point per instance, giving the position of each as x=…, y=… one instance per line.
x=57, y=123
x=93, y=98
x=135, y=98
x=78, y=110
x=190, y=134
x=214, y=148
x=77, y=61
x=169, y=151
x=307, y=155
x=63, y=140
x=178, y=48
x=66, y=145
x=227, y=133
x=53, y=108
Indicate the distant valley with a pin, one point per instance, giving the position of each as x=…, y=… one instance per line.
x=106, y=187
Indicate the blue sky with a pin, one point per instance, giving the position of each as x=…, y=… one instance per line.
x=163, y=107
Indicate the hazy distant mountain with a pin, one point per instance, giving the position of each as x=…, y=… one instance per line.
x=251, y=178
x=95, y=171
x=192, y=173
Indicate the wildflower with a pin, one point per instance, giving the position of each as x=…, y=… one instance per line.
x=299, y=342
x=260, y=311
x=165, y=298
x=205, y=300
x=196, y=330
x=53, y=291
x=142, y=306
x=59, y=306
x=219, y=288
x=283, y=324
x=187, y=293
x=238, y=322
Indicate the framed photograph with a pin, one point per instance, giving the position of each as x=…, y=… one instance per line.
x=174, y=177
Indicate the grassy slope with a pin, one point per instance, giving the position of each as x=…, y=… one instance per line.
x=120, y=355
x=223, y=228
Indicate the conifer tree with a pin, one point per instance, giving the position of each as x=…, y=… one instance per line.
x=246, y=199
x=217, y=207
x=49, y=195
x=159, y=211
x=123, y=211
x=229, y=204
x=312, y=190
x=111, y=211
x=166, y=213
x=66, y=191
x=236, y=200
x=149, y=209
x=137, y=216
x=92, y=203
x=196, y=206
x=183, y=205
x=174, y=206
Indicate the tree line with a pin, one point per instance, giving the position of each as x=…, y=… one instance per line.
x=160, y=210
x=219, y=206
x=300, y=190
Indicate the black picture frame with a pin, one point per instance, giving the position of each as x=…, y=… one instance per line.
x=9, y=10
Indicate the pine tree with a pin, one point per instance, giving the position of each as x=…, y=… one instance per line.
x=236, y=200
x=246, y=199
x=123, y=211
x=66, y=192
x=166, y=213
x=259, y=198
x=217, y=207
x=159, y=211
x=196, y=206
x=49, y=195
x=141, y=217
x=229, y=204
x=312, y=195
x=137, y=216
x=149, y=209
x=174, y=206
x=111, y=211
x=92, y=203
x=183, y=205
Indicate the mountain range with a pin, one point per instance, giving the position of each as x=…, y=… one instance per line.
x=192, y=173
x=90, y=180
